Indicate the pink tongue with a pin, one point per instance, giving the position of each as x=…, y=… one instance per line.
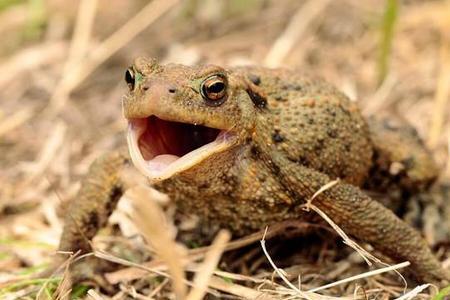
x=160, y=162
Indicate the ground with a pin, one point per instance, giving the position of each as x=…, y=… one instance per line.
x=62, y=66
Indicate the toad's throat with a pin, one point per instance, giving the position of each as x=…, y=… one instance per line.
x=160, y=148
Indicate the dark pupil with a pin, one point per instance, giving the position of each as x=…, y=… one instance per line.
x=216, y=87
x=129, y=79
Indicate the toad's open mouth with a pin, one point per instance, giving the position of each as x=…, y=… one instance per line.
x=160, y=148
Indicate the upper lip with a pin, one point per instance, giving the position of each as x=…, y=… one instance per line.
x=160, y=148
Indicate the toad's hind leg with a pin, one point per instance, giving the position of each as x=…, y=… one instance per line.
x=89, y=211
x=400, y=158
x=366, y=219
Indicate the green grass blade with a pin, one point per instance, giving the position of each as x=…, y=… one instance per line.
x=387, y=35
x=442, y=295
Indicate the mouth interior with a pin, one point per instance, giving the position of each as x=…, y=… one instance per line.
x=161, y=148
x=172, y=140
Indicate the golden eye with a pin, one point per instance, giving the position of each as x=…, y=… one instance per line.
x=129, y=78
x=214, y=89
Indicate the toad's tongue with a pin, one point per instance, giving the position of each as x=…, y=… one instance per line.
x=161, y=162
x=160, y=149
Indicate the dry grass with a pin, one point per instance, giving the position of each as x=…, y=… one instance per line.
x=60, y=91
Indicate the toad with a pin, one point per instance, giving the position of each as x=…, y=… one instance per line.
x=247, y=147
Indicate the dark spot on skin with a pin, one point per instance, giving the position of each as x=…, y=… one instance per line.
x=321, y=139
x=347, y=147
x=317, y=149
x=277, y=137
x=257, y=99
x=331, y=112
x=232, y=180
x=332, y=133
x=310, y=121
x=255, y=79
x=254, y=150
x=302, y=161
x=204, y=185
x=276, y=169
x=292, y=159
x=262, y=178
x=318, y=146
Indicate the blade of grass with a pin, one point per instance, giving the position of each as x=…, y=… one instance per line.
x=442, y=295
x=27, y=282
x=36, y=20
x=387, y=35
x=5, y=4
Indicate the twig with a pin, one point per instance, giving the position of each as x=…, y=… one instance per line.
x=322, y=189
x=31, y=59
x=112, y=44
x=78, y=47
x=281, y=272
x=198, y=253
x=362, y=275
x=14, y=121
x=237, y=289
x=347, y=240
x=160, y=286
x=48, y=151
x=293, y=32
x=94, y=295
x=82, y=32
x=203, y=275
x=149, y=219
x=413, y=293
x=368, y=257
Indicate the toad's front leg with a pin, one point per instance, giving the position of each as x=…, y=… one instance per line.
x=89, y=211
x=369, y=221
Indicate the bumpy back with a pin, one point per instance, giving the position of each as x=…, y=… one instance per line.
x=314, y=124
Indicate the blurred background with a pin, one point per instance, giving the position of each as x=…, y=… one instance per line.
x=62, y=66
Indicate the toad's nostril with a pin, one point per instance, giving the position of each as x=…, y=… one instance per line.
x=145, y=87
x=172, y=89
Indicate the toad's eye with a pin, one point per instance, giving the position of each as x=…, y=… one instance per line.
x=214, y=90
x=129, y=78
